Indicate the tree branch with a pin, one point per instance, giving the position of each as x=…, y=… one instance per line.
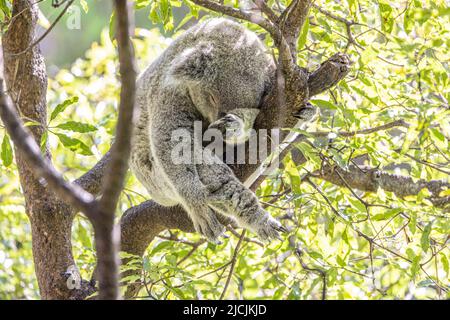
x=106, y=237
x=265, y=9
x=329, y=74
x=36, y=42
x=92, y=180
x=292, y=21
x=240, y=14
x=387, y=126
x=41, y=166
x=370, y=179
x=49, y=214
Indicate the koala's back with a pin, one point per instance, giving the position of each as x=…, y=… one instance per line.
x=234, y=62
x=217, y=55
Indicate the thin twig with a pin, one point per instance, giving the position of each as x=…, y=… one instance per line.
x=44, y=34
x=233, y=263
x=322, y=274
x=387, y=126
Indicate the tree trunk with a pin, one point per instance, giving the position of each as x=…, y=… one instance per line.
x=51, y=220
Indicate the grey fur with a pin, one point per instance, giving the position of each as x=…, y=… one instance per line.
x=217, y=69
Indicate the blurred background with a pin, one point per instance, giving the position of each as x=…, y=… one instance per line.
x=70, y=40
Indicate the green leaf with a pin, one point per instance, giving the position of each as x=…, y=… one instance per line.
x=352, y=5
x=309, y=152
x=445, y=263
x=425, y=239
x=368, y=55
x=410, y=138
x=139, y=4
x=74, y=145
x=315, y=255
x=43, y=143
x=160, y=246
x=5, y=8
x=387, y=19
x=387, y=214
x=112, y=24
x=323, y=104
x=84, y=5
x=345, y=236
x=358, y=205
x=438, y=138
x=304, y=35
x=296, y=292
x=62, y=106
x=415, y=266
x=340, y=261
x=187, y=18
x=7, y=153
x=408, y=20
x=76, y=126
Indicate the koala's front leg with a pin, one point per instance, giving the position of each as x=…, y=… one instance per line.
x=180, y=173
x=230, y=197
x=236, y=125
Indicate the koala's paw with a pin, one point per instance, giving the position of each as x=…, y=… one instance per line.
x=268, y=228
x=230, y=126
x=209, y=226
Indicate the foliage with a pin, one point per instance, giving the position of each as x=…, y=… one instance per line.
x=367, y=245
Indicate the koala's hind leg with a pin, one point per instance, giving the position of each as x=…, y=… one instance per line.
x=230, y=197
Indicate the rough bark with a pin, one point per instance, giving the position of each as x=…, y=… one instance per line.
x=51, y=201
x=51, y=220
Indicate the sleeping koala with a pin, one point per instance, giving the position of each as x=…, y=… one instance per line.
x=217, y=73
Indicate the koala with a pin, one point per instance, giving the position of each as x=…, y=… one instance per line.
x=216, y=72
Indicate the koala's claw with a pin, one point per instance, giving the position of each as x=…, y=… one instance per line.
x=229, y=124
x=270, y=230
x=210, y=228
x=281, y=228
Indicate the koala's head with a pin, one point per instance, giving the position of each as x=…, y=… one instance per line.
x=226, y=60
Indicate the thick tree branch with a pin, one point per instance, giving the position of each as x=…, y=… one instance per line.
x=92, y=180
x=328, y=74
x=292, y=21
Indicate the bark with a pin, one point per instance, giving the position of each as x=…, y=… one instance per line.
x=51, y=201
x=50, y=218
x=106, y=232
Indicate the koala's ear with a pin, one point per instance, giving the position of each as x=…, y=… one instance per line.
x=194, y=63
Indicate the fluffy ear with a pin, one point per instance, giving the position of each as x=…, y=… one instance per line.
x=194, y=63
